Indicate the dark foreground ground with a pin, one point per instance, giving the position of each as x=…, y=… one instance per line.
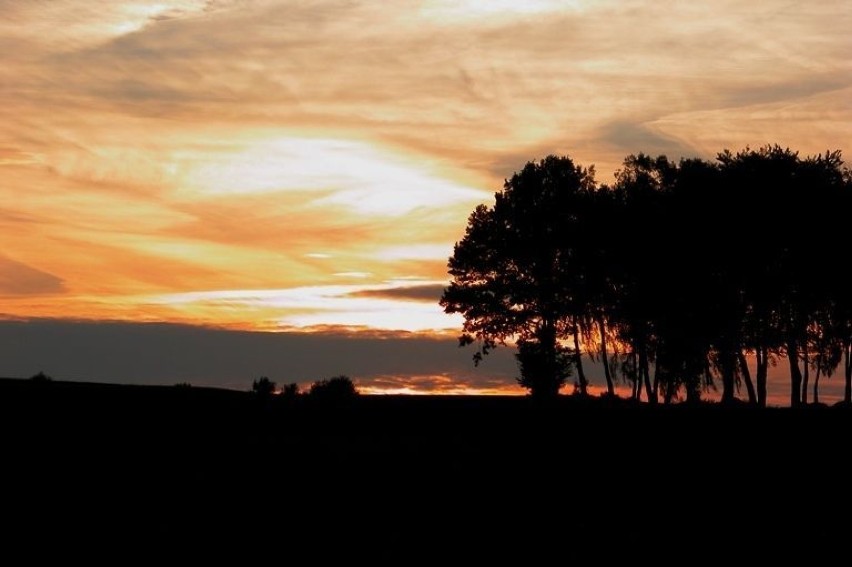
x=171, y=475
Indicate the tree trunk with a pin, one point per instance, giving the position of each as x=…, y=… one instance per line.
x=693, y=391
x=578, y=362
x=657, y=375
x=671, y=390
x=540, y=370
x=752, y=397
x=727, y=377
x=762, y=371
x=795, y=373
x=646, y=375
x=634, y=382
x=637, y=375
x=806, y=375
x=816, y=386
x=610, y=387
x=847, y=389
x=551, y=380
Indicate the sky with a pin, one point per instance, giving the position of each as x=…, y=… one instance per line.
x=245, y=167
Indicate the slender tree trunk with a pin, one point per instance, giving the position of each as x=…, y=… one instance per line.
x=816, y=385
x=552, y=380
x=610, y=387
x=806, y=375
x=728, y=362
x=762, y=371
x=795, y=373
x=752, y=397
x=847, y=367
x=578, y=362
x=693, y=391
x=634, y=386
x=657, y=375
x=637, y=375
x=671, y=390
x=646, y=375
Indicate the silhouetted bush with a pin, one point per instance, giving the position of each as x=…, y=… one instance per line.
x=290, y=391
x=337, y=388
x=263, y=387
x=41, y=378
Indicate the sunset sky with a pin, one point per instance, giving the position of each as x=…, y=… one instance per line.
x=305, y=167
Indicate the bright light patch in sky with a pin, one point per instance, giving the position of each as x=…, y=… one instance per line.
x=320, y=306
x=454, y=10
x=415, y=252
x=344, y=173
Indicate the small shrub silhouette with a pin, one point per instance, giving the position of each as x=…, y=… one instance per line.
x=41, y=378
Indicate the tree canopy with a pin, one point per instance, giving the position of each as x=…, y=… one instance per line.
x=511, y=270
x=675, y=276
x=338, y=388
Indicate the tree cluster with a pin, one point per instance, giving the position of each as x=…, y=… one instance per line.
x=337, y=388
x=675, y=276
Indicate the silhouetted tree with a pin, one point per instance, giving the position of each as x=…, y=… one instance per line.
x=338, y=388
x=263, y=387
x=827, y=354
x=590, y=262
x=687, y=267
x=784, y=196
x=640, y=189
x=755, y=180
x=843, y=332
x=511, y=271
x=290, y=390
x=660, y=274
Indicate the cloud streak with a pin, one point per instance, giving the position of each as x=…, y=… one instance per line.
x=19, y=279
x=429, y=293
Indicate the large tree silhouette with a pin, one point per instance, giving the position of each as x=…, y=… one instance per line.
x=788, y=223
x=690, y=268
x=640, y=189
x=842, y=294
x=512, y=271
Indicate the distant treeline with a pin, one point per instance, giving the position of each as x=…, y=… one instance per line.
x=338, y=388
x=673, y=276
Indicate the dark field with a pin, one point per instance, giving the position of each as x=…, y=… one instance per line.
x=175, y=475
